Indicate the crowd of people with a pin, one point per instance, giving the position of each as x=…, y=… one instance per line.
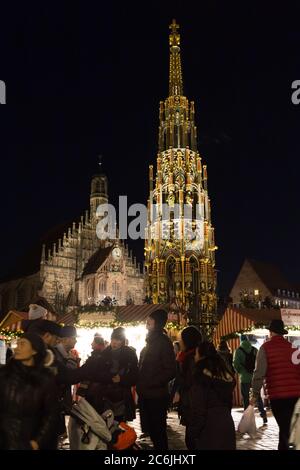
x=194, y=376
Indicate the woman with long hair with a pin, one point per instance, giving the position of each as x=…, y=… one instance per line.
x=28, y=398
x=210, y=422
x=226, y=354
x=189, y=338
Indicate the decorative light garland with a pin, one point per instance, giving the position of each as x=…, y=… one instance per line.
x=257, y=326
x=9, y=335
x=116, y=324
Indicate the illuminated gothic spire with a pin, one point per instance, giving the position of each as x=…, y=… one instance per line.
x=175, y=76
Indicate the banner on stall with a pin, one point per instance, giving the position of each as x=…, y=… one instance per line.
x=290, y=317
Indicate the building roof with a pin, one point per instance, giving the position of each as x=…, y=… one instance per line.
x=270, y=275
x=262, y=315
x=132, y=313
x=96, y=260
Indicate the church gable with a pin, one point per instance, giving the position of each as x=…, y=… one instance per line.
x=250, y=284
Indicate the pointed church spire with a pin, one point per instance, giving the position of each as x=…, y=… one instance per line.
x=175, y=75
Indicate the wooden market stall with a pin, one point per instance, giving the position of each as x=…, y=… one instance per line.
x=236, y=321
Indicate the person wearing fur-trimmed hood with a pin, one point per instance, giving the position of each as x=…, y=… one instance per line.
x=28, y=398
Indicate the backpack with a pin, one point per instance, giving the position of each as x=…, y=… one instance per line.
x=250, y=358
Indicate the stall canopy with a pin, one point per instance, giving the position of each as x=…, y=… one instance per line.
x=238, y=320
x=12, y=320
x=126, y=313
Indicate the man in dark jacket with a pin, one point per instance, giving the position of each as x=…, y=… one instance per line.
x=121, y=363
x=68, y=335
x=157, y=367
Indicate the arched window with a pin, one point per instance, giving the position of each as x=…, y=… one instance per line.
x=116, y=289
x=90, y=289
x=102, y=287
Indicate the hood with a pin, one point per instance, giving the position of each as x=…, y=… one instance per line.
x=49, y=359
x=246, y=345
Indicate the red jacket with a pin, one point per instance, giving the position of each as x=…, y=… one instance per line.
x=283, y=377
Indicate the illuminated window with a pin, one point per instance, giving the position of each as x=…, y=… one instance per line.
x=256, y=292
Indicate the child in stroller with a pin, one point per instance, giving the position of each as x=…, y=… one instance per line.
x=90, y=431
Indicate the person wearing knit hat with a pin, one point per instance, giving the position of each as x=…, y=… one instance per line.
x=157, y=319
x=190, y=337
x=98, y=344
x=118, y=338
x=35, y=314
x=28, y=398
x=157, y=368
x=36, y=311
x=47, y=329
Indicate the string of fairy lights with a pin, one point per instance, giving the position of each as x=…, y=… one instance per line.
x=9, y=335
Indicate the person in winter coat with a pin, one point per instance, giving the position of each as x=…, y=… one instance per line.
x=277, y=363
x=189, y=338
x=49, y=331
x=157, y=368
x=121, y=364
x=98, y=344
x=28, y=398
x=244, y=364
x=211, y=426
x=68, y=339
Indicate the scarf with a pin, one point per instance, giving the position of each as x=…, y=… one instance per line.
x=182, y=355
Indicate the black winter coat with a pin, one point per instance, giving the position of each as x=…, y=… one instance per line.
x=28, y=407
x=210, y=422
x=107, y=392
x=157, y=366
x=184, y=382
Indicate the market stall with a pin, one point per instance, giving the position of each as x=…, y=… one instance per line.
x=89, y=321
x=253, y=322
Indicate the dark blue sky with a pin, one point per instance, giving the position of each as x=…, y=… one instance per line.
x=85, y=78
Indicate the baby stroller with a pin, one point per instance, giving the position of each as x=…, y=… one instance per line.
x=90, y=431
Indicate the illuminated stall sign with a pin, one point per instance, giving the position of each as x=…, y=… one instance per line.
x=290, y=317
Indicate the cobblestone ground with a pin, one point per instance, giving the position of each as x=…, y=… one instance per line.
x=266, y=437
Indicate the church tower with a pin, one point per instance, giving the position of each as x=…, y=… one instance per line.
x=179, y=240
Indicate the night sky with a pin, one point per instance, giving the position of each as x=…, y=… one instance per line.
x=86, y=78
